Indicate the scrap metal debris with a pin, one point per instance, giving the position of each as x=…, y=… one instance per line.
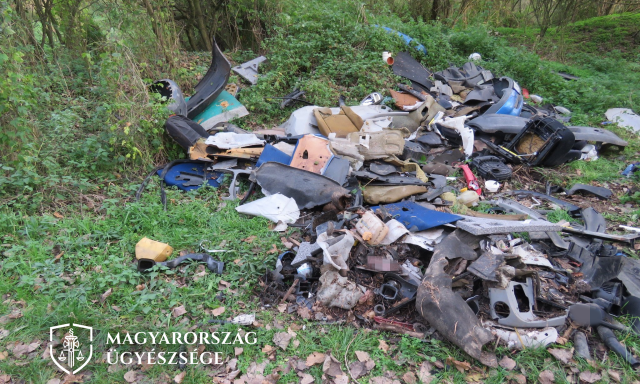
x=394, y=230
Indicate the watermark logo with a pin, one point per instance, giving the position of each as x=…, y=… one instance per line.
x=76, y=351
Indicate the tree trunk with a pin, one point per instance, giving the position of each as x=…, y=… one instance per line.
x=27, y=25
x=46, y=27
x=196, y=11
x=157, y=30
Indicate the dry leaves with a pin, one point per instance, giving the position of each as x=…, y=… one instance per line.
x=563, y=355
x=546, y=377
x=410, y=378
x=507, y=363
x=304, y=312
x=461, y=366
x=306, y=378
x=106, y=295
x=250, y=239
x=383, y=346
x=131, y=376
x=4, y=355
x=332, y=366
x=590, y=377
x=282, y=339
x=424, y=374
x=315, y=358
x=218, y=311
x=178, y=311
x=273, y=249
x=179, y=377
x=614, y=375
x=55, y=380
x=238, y=351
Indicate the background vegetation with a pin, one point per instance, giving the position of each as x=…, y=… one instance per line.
x=78, y=130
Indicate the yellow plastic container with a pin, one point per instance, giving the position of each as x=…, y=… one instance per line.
x=468, y=198
x=154, y=250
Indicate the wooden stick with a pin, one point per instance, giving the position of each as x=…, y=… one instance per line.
x=290, y=291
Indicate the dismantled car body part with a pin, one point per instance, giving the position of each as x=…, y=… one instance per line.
x=479, y=226
x=532, y=339
x=277, y=208
x=145, y=265
x=512, y=125
x=416, y=217
x=510, y=94
x=491, y=168
x=542, y=142
x=631, y=306
x=381, y=194
x=307, y=188
x=469, y=75
x=249, y=70
x=170, y=90
x=374, y=98
x=581, y=345
x=184, y=131
x=611, y=341
x=601, y=192
x=439, y=305
x=234, y=189
x=188, y=175
x=406, y=66
x=519, y=299
x=592, y=315
x=211, y=84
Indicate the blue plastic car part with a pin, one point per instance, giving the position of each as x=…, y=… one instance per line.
x=413, y=215
x=407, y=39
x=511, y=100
x=271, y=153
x=177, y=172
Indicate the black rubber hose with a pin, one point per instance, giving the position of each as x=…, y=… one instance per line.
x=146, y=181
x=612, y=342
x=144, y=265
x=581, y=345
x=252, y=186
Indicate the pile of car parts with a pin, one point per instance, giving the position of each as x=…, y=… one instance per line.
x=384, y=206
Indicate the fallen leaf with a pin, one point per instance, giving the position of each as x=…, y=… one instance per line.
x=218, y=311
x=306, y=378
x=130, y=376
x=4, y=355
x=273, y=249
x=268, y=349
x=563, y=355
x=250, y=239
x=140, y=287
x=363, y=356
x=106, y=295
x=615, y=375
x=315, y=358
x=383, y=345
x=410, y=378
x=58, y=215
x=58, y=257
x=282, y=339
x=179, y=377
x=332, y=366
x=178, y=311
x=5, y=379
x=69, y=379
x=282, y=307
x=424, y=374
x=546, y=377
x=304, y=312
x=590, y=377
x=460, y=365
x=238, y=351
x=4, y=333
x=295, y=343
x=357, y=369
x=287, y=244
x=507, y=363
x=55, y=380
x=519, y=379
